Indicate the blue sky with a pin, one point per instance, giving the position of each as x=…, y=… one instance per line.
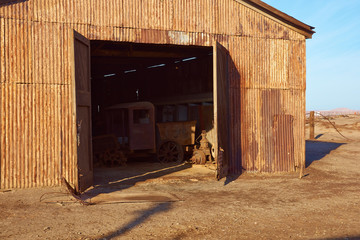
x=333, y=54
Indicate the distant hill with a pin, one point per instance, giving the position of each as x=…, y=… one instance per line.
x=342, y=110
x=337, y=111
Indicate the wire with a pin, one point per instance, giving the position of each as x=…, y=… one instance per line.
x=333, y=125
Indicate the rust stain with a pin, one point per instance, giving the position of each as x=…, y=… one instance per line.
x=286, y=35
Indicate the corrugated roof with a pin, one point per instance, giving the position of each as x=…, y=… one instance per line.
x=302, y=28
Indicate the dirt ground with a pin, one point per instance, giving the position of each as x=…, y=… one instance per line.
x=154, y=201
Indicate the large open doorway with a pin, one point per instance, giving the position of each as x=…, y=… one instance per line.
x=177, y=80
x=155, y=84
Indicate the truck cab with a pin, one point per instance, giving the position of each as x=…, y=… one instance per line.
x=133, y=124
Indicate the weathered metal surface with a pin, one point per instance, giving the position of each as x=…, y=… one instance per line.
x=35, y=139
x=283, y=157
x=279, y=16
x=264, y=65
x=258, y=137
x=196, y=16
x=37, y=126
x=182, y=133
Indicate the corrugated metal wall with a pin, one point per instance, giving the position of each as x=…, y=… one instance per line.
x=37, y=128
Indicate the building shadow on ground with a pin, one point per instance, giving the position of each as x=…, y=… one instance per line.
x=231, y=177
x=316, y=150
x=142, y=217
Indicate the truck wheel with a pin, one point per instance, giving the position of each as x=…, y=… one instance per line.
x=170, y=151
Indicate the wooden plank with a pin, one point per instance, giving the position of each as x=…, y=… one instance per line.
x=312, y=125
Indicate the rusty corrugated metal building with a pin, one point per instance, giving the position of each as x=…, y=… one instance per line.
x=257, y=79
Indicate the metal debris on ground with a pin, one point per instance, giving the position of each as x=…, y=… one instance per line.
x=74, y=193
x=201, y=154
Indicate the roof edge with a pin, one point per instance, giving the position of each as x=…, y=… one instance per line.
x=303, y=28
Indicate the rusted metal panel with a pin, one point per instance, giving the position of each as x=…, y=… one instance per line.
x=271, y=106
x=297, y=98
x=279, y=17
x=31, y=135
x=259, y=106
x=235, y=110
x=271, y=63
x=297, y=65
x=35, y=127
x=16, y=50
x=62, y=11
x=182, y=133
x=250, y=129
x=16, y=9
x=283, y=143
x=279, y=64
x=47, y=47
x=216, y=17
x=149, y=36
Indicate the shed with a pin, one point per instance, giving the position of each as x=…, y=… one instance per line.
x=243, y=58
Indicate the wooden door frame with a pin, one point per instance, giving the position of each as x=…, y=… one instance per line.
x=74, y=115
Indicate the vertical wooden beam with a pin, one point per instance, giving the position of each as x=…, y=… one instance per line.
x=312, y=125
x=215, y=98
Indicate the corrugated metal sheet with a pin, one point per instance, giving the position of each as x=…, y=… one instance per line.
x=35, y=135
x=259, y=106
x=283, y=134
x=20, y=10
x=205, y=16
x=271, y=75
x=266, y=65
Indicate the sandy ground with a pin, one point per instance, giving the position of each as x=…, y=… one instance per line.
x=184, y=202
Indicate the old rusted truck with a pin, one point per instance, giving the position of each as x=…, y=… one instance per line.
x=132, y=132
